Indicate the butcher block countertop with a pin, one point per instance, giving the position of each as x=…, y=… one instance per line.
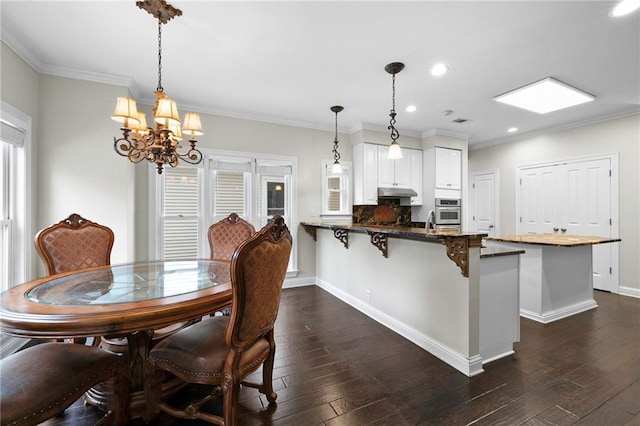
x=558, y=240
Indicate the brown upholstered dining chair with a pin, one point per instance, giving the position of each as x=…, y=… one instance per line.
x=222, y=350
x=74, y=243
x=40, y=382
x=227, y=234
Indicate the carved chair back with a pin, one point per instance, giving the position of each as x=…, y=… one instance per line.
x=227, y=234
x=74, y=243
x=258, y=269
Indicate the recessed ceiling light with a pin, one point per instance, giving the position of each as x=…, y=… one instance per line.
x=512, y=129
x=545, y=96
x=411, y=108
x=439, y=69
x=625, y=7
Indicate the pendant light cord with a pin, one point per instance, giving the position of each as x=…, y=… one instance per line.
x=336, y=154
x=394, y=132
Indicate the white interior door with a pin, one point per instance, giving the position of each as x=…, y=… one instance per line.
x=572, y=198
x=485, y=205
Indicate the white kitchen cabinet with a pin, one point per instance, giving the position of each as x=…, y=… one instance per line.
x=393, y=173
x=365, y=174
x=448, y=168
x=415, y=163
x=372, y=169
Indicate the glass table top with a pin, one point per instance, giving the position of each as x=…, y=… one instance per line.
x=129, y=283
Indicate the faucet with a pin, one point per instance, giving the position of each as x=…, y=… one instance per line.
x=431, y=220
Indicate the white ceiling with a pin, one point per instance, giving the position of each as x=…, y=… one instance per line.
x=289, y=62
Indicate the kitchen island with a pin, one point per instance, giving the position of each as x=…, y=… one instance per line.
x=556, y=277
x=425, y=285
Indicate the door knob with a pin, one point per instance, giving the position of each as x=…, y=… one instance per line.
x=563, y=229
x=555, y=229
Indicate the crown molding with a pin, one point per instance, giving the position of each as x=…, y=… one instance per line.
x=383, y=129
x=567, y=126
x=14, y=43
x=444, y=132
x=96, y=77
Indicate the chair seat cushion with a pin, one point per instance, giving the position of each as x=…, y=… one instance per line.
x=197, y=353
x=41, y=381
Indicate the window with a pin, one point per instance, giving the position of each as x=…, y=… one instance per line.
x=191, y=198
x=336, y=191
x=15, y=225
x=180, y=212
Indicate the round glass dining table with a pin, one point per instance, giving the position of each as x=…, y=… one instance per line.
x=123, y=304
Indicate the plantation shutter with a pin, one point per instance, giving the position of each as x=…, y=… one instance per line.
x=334, y=194
x=181, y=213
x=230, y=186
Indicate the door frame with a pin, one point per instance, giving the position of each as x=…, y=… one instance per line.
x=615, y=202
x=496, y=197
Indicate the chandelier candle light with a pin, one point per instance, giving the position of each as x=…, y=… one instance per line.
x=394, y=149
x=336, y=168
x=162, y=144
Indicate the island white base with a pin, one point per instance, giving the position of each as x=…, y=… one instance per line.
x=499, y=306
x=555, y=282
x=421, y=294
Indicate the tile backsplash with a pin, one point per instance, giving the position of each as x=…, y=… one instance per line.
x=387, y=212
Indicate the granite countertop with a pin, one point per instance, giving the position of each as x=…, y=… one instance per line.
x=558, y=240
x=498, y=251
x=398, y=231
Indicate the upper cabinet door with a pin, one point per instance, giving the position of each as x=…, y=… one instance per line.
x=365, y=174
x=403, y=169
x=386, y=168
x=448, y=168
x=394, y=173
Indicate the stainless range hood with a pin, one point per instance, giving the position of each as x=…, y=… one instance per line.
x=396, y=193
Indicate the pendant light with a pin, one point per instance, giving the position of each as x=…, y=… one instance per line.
x=336, y=168
x=394, y=149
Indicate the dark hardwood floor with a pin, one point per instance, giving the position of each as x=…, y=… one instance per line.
x=336, y=366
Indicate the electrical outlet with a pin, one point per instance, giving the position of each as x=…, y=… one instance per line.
x=367, y=295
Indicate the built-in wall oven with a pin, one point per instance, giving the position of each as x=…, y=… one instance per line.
x=448, y=211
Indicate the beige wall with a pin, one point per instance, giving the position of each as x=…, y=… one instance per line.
x=79, y=172
x=621, y=136
x=19, y=88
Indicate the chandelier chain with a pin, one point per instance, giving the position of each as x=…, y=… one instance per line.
x=159, y=88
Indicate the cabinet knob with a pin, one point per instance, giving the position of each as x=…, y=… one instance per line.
x=563, y=229
x=490, y=226
x=555, y=229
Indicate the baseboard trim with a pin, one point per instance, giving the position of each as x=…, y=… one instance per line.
x=298, y=282
x=560, y=313
x=468, y=366
x=629, y=291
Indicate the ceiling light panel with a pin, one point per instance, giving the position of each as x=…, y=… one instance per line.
x=545, y=96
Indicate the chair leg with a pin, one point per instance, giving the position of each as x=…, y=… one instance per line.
x=267, y=370
x=230, y=402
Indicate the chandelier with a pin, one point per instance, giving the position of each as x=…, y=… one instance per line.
x=336, y=168
x=394, y=149
x=161, y=145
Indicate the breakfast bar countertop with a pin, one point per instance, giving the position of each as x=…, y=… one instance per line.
x=558, y=240
x=398, y=231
